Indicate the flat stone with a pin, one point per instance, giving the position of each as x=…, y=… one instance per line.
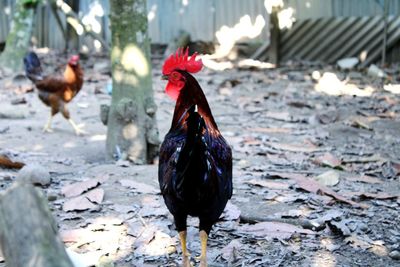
x=347, y=63
x=34, y=174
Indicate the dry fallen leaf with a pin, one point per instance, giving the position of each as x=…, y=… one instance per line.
x=365, y=179
x=305, y=148
x=78, y=204
x=91, y=258
x=269, y=130
x=75, y=189
x=145, y=236
x=231, y=212
x=381, y=195
x=328, y=160
x=339, y=227
x=359, y=123
x=314, y=187
x=268, y=184
x=6, y=162
x=154, y=211
x=280, y=116
x=273, y=230
x=230, y=251
x=161, y=244
x=95, y=195
x=373, y=158
x=357, y=242
x=75, y=235
x=123, y=208
x=139, y=187
x=135, y=228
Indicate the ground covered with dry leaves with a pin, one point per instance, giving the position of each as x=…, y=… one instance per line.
x=316, y=169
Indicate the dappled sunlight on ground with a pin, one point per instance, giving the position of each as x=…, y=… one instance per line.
x=225, y=65
x=70, y=144
x=97, y=138
x=393, y=88
x=100, y=237
x=330, y=84
x=251, y=63
x=323, y=258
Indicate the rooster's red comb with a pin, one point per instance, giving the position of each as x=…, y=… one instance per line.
x=180, y=61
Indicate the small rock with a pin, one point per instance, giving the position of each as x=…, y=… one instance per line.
x=52, y=195
x=376, y=72
x=354, y=75
x=10, y=112
x=4, y=129
x=123, y=163
x=225, y=91
x=18, y=101
x=328, y=178
x=8, y=178
x=347, y=63
x=395, y=254
x=363, y=227
x=19, y=77
x=316, y=75
x=296, y=76
x=34, y=174
x=102, y=67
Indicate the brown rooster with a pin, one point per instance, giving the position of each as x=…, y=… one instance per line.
x=56, y=91
x=195, y=167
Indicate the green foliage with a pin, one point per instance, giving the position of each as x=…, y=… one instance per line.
x=31, y=3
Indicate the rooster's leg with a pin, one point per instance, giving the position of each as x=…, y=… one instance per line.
x=203, y=255
x=65, y=112
x=185, y=253
x=78, y=130
x=47, y=126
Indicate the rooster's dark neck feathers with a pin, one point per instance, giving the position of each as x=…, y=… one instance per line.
x=192, y=94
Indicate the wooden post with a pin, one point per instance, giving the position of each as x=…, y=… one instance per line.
x=385, y=28
x=274, y=36
x=28, y=232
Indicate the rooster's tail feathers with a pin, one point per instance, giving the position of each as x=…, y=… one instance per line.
x=33, y=69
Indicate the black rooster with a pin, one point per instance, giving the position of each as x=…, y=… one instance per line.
x=195, y=169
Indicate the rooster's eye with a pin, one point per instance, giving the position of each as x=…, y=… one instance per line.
x=175, y=76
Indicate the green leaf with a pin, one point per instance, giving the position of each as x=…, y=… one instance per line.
x=31, y=2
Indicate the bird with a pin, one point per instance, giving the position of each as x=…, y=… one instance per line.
x=195, y=162
x=56, y=91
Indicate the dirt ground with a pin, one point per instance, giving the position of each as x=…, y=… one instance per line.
x=316, y=169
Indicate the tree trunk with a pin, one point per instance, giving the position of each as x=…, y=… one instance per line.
x=75, y=22
x=132, y=131
x=18, y=39
x=28, y=232
x=72, y=41
x=274, y=36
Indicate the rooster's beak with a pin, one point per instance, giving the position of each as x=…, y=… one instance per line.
x=164, y=77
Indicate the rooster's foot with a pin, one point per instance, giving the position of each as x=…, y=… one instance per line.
x=47, y=129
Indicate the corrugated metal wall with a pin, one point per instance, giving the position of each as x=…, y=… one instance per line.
x=307, y=9
x=329, y=39
x=202, y=18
